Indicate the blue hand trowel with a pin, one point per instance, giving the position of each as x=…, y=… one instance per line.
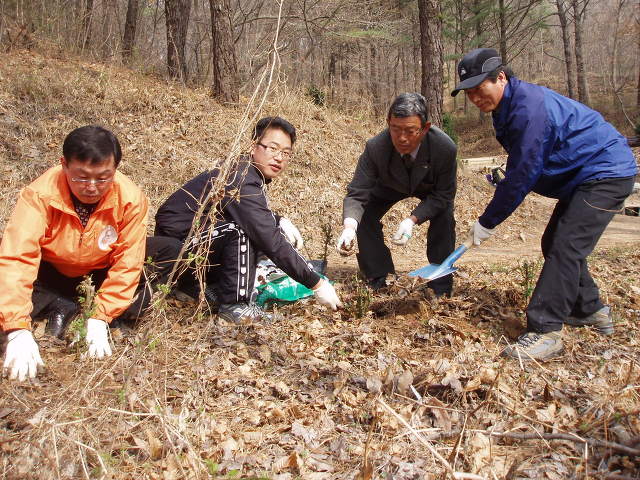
x=433, y=271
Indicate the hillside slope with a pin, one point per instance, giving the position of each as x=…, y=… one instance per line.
x=367, y=393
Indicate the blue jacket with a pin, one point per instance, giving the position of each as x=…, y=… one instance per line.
x=554, y=144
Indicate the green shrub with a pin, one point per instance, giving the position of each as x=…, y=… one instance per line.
x=449, y=126
x=318, y=97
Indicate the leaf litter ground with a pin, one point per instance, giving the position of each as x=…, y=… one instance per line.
x=370, y=392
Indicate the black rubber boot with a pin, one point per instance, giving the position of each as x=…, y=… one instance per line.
x=60, y=313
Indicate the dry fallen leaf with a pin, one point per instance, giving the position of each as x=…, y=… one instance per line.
x=443, y=419
x=294, y=462
x=229, y=446
x=306, y=433
x=366, y=472
x=481, y=451
x=547, y=414
x=155, y=445
x=282, y=389
x=252, y=437
x=142, y=445
x=264, y=353
x=404, y=381
x=374, y=384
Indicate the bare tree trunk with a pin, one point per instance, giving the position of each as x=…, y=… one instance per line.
x=566, y=43
x=130, y=25
x=395, y=72
x=502, y=31
x=373, y=80
x=459, y=44
x=226, y=84
x=432, y=57
x=177, y=20
x=638, y=86
x=613, y=64
x=333, y=60
x=86, y=24
x=476, y=9
x=415, y=41
x=579, y=8
x=109, y=13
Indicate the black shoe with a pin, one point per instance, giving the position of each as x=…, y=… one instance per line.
x=211, y=297
x=192, y=294
x=377, y=283
x=59, y=315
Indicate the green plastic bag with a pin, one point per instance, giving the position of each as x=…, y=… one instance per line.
x=281, y=290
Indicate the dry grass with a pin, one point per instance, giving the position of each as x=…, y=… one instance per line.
x=315, y=395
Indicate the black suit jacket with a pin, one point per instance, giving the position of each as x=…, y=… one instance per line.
x=382, y=174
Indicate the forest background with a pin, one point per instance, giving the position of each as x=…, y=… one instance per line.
x=351, y=55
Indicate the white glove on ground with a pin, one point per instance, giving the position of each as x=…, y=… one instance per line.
x=347, y=239
x=98, y=338
x=291, y=232
x=22, y=357
x=480, y=233
x=403, y=234
x=326, y=295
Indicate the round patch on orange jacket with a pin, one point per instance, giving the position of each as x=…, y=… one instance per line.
x=107, y=237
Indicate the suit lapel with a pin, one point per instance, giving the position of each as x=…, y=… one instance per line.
x=422, y=162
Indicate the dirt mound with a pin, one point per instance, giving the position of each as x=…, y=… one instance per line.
x=399, y=385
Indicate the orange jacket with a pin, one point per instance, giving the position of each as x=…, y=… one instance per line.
x=44, y=226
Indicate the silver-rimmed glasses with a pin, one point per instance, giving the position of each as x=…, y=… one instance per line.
x=275, y=151
x=98, y=182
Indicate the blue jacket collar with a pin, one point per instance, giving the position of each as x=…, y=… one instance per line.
x=499, y=115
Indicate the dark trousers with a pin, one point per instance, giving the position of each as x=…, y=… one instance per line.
x=565, y=286
x=51, y=284
x=374, y=257
x=231, y=263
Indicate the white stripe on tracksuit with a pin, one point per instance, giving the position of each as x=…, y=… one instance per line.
x=243, y=290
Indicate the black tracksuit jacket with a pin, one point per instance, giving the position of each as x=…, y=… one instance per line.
x=244, y=203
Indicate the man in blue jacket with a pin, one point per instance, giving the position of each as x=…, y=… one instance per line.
x=558, y=148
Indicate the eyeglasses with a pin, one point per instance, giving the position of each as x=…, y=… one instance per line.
x=274, y=151
x=92, y=181
x=409, y=132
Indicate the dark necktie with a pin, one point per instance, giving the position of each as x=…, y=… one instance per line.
x=407, y=160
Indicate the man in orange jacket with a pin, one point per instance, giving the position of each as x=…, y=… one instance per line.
x=79, y=218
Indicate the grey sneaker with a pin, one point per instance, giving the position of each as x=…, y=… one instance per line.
x=601, y=321
x=243, y=312
x=538, y=346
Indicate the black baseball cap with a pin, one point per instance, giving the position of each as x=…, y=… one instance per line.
x=475, y=66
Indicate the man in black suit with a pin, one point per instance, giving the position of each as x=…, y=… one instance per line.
x=410, y=158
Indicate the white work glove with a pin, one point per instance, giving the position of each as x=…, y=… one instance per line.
x=403, y=234
x=98, y=338
x=326, y=295
x=480, y=233
x=22, y=357
x=291, y=232
x=347, y=239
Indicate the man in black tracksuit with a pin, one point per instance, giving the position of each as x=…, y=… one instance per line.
x=243, y=224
